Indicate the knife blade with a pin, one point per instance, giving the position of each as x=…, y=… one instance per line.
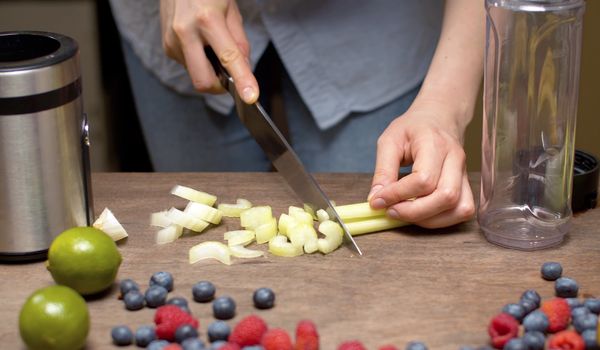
x=279, y=151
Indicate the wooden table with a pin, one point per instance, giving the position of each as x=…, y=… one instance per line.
x=439, y=286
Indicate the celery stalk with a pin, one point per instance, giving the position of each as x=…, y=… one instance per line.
x=373, y=224
x=358, y=210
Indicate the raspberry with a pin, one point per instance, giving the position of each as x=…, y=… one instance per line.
x=566, y=340
x=502, y=328
x=352, y=345
x=230, y=346
x=168, y=318
x=249, y=331
x=276, y=339
x=307, y=337
x=388, y=347
x=558, y=312
x=172, y=346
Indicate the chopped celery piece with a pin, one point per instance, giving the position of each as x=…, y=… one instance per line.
x=357, y=210
x=285, y=221
x=210, y=250
x=301, y=233
x=255, y=216
x=280, y=246
x=109, y=224
x=333, y=236
x=239, y=251
x=311, y=246
x=310, y=210
x=204, y=212
x=322, y=215
x=373, y=225
x=234, y=210
x=266, y=231
x=193, y=195
x=300, y=215
x=239, y=237
x=186, y=220
x=168, y=234
x=160, y=219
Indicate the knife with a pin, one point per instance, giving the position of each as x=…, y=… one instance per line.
x=278, y=150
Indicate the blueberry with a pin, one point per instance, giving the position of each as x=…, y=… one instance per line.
x=551, y=271
x=217, y=345
x=134, y=300
x=528, y=305
x=579, y=312
x=416, y=345
x=218, y=330
x=534, y=340
x=203, y=291
x=593, y=305
x=128, y=285
x=533, y=296
x=223, y=308
x=566, y=287
x=193, y=344
x=163, y=279
x=157, y=345
x=465, y=347
x=515, y=344
x=574, y=303
x=121, y=335
x=144, y=336
x=485, y=347
x=264, y=298
x=253, y=347
x=589, y=321
x=515, y=310
x=536, y=321
x=156, y=296
x=179, y=301
x=589, y=338
x=185, y=331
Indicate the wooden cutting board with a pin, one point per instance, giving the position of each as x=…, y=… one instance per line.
x=438, y=286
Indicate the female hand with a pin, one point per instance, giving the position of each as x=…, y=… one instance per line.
x=189, y=25
x=436, y=193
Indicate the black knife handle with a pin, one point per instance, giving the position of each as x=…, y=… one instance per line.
x=220, y=71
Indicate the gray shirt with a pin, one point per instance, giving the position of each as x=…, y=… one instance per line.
x=342, y=55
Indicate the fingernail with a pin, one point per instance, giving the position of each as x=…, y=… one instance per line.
x=393, y=214
x=374, y=190
x=378, y=203
x=249, y=95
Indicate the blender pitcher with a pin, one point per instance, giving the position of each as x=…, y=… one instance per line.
x=531, y=80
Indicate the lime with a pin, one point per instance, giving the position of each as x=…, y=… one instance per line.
x=54, y=317
x=85, y=259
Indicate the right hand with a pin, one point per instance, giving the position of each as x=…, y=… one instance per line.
x=189, y=25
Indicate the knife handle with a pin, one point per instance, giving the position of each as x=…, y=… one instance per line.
x=220, y=71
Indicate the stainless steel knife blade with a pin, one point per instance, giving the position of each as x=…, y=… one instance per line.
x=279, y=151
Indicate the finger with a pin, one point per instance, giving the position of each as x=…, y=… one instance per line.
x=219, y=37
x=236, y=27
x=462, y=212
x=445, y=197
x=420, y=182
x=199, y=68
x=387, y=163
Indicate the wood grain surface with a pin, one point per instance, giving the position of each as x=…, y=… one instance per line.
x=437, y=286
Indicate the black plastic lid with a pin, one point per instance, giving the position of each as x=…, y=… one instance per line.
x=585, y=181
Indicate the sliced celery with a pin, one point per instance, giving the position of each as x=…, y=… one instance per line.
x=239, y=251
x=234, y=210
x=204, y=212
x=266, y=231
x=108, y=223
x=239, y=237
x=186, y=220
x=255, y=216
x=193, y=195
x=210, y=250
x=168, y=234
x=280, y=246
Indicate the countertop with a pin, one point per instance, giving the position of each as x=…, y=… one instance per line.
x=437, y=286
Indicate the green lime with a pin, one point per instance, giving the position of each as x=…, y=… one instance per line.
x=85, y=259
x=54, y=317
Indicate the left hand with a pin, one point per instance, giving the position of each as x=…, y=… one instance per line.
x=437, y=192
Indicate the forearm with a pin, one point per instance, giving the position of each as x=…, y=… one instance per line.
x=454, y=76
